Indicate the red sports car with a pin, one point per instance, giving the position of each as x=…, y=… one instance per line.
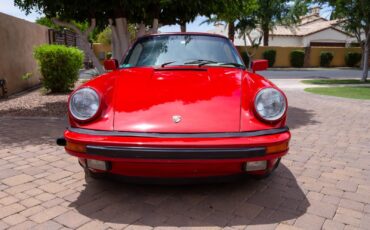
x=178, y=106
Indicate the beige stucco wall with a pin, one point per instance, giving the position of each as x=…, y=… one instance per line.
x=339, y=55
x=17, y=40
x=328, y=35
x=283, y=55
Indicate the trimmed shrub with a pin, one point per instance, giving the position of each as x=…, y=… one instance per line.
x=352, y=59
x=326, y=58
x=245, y=58
x=59, y=66
x=270, y=55
x=297, y=58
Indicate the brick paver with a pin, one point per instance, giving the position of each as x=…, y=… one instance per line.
x=323, y=183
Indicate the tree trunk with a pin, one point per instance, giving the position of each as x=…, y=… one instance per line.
x=90, y=53
x=115, y=41
x=183, y=27
x=365, y=68
x=141, y=30
x=231, y=31
x=266, y=36
x=84, y=40
x=123, y=35
x=155, y=26
x=250, y=57
x=362, y=56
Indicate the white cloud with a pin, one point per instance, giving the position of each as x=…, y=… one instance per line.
x=7, y=7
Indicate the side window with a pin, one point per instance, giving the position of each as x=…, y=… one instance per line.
x=135, y=55
x=228, y=52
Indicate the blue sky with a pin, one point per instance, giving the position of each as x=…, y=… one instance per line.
x=7, y=7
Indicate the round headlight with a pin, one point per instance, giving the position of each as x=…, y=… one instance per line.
x=270, y=104
x=84, y=104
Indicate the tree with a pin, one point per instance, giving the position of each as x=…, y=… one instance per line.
x=354, y=16
x=105, y=37
x=245, y=26
x=283, y=12
x=44, y=21
x=64, y=13
x=120, y=15
x=230, y=11
x=96, y=13
x=181, y=12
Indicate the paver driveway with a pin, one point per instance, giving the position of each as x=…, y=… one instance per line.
x=323, y=183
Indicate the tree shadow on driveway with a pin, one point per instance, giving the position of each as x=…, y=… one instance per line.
x=20, y=131
x=245, y=202
x=298, y=117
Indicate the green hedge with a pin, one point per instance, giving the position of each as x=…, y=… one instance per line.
x=270, y=55
x=59, y=66
x=297, y=58
x=326, y=58
x=352, y=59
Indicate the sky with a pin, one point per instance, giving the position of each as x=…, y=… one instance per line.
x=7, y=7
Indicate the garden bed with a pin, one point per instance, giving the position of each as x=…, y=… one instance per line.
x=35, y=104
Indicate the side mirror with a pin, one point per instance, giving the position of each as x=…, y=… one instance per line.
x=110, y=64
x=259, y=65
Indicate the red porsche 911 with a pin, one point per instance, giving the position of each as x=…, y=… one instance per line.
x=178, y=106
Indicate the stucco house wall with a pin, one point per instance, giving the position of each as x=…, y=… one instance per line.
x=17, y=40
x=328, y=35
x=285, y=41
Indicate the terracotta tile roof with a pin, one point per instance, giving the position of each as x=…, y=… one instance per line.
x=309, y=24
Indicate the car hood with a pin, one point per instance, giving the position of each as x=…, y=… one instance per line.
x=178, y=100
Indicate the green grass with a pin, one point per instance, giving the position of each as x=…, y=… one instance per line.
x=333, y=81
x=347, y=92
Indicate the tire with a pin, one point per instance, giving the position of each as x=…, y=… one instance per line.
x=268, y=173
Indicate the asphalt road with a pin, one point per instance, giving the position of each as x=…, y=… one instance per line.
x=312, y=73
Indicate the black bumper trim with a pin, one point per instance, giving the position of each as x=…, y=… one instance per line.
x=175, y=153
x=61, y=141
x=180, y=135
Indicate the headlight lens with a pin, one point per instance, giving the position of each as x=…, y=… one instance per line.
x=270, y=104
x=84, y=104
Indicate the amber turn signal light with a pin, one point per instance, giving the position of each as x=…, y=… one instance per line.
x=277, y=148
x=76, y=147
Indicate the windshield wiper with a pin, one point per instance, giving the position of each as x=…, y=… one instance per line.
x=167, y=63
x=200, y=62
x=206, y=62
x=233, y=64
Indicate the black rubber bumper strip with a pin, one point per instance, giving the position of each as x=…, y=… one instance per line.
x=180, y=135
x=175, y=153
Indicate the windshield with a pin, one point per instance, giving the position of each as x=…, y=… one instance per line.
x=199, y=50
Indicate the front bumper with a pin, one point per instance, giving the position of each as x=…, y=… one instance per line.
x=178, y=155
